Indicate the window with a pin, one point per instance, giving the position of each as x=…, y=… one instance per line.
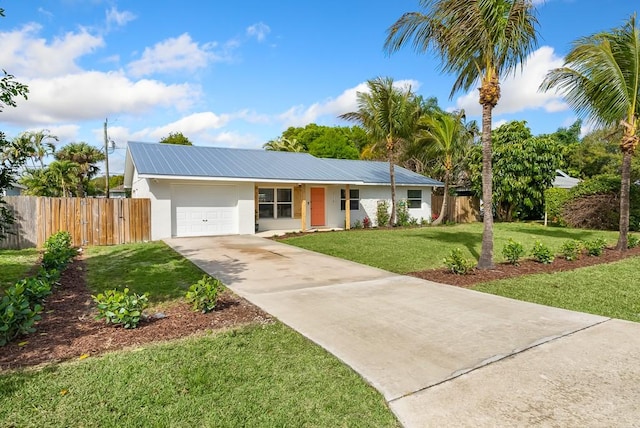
x=275, y=203
x=414, y=198
x=354, y=196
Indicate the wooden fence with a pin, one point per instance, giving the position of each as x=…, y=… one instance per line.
x=460, y=209
x=89, y=221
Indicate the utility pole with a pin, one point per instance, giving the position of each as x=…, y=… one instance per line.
x=106, y=159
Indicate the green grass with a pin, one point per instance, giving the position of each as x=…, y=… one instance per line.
x=16, y=264
x=259, y=376
x=254, y=376
x=409, y=250
x=152, y=268
x=609, y=289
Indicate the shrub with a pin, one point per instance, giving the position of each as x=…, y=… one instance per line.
x=572, y=249
x=58, y=251
x=35, y=289
x=121, y=308
x=17, y=314
x=632, y=241
x=382, y=213
x=513, y=251
x=596, y=246
x=541, y=253
x=52, y=276
x=366, y=222
x=357, y=224
x=403, y=218
x=203, y=295
x=554, y=200
x=457, y=264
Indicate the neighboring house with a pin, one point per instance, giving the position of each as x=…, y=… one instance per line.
x=201, y=191
x=564, y=180
x=118, y=192
x=13, y=190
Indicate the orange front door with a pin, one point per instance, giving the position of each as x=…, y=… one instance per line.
x=317, y=206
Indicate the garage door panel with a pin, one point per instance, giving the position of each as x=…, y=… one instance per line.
x=205, y=210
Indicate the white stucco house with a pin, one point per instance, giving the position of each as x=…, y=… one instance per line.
x=203, y=191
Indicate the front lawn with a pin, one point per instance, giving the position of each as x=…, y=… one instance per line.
x=609, y=289
x=263, y=374
x=259, y=376
x=410, y=250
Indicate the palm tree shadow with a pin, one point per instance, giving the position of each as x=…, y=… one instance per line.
x=468, y=240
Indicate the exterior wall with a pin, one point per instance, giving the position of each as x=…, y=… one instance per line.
x=289, y=223
x=370, y=195
x=159, y=191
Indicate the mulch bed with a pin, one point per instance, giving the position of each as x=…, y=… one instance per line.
x=526, y=267
x=68, y=328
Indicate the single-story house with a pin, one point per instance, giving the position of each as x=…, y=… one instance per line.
x=564, y=180
x=14, y=189
x=202, y=191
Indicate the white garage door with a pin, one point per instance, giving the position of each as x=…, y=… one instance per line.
x=205, y=210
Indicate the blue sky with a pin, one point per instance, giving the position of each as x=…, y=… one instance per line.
x=236, y=74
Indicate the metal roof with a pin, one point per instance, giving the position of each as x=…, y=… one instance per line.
x=154, y=159
x=564, y=180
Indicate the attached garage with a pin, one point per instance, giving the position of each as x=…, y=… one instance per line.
x=204, y=210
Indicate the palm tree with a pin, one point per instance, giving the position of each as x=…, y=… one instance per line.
x=601, y=81
x=388, y=114
x=443, y=137
x=65, y=175
x=86, y=157
x=35, y=144
x=479, y=40
x=282, y=144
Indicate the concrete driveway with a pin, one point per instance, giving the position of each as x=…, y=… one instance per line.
x=440, y=355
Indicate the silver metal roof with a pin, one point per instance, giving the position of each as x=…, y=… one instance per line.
x=154, y=159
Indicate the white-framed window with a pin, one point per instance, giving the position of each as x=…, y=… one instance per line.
x=354, y=196
x=275, y=202
x=414, y=198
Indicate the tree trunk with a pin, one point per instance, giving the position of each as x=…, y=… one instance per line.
x=624, y=200
x=443, y=209
x=392, y=177
x=486, y=254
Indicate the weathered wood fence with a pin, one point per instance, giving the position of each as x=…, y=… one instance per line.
x=460, y=209
x=90, y=221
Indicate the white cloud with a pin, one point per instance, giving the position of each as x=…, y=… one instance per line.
x=520, y=91
x=259, y=31
x=91, y=95
x=114, y=16
x=174, y=54
x=193, y=124
x=27, y=55
x=333, y=107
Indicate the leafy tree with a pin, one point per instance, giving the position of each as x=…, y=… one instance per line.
x=524, y=167
x=11, y=159
x=601, y=80
x=445, y=139
x=86, y=157
x=339, y=142
x=477, y=40
x=97, y=183
x=389, y=116
x=176, y=138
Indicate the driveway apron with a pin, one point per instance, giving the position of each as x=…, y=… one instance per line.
x=440, y=355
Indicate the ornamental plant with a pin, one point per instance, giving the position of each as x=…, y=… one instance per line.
x=17, y=314
x=572, y=249
x=366, y=222
x=382, y=213
x=596, y=246
x=633, y=241
x=513, y=251
x=456, y=263
x=120, y=307
x=203, y=295
x=542, y=253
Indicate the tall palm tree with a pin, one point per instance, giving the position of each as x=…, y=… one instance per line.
x=601, y=81
x=66, y=175
x=443, y=137
x=35, y=144
x=479, y=40
x=86, y=157
x=388, y=114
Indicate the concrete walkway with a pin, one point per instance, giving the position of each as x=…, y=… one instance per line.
x=440, y=355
